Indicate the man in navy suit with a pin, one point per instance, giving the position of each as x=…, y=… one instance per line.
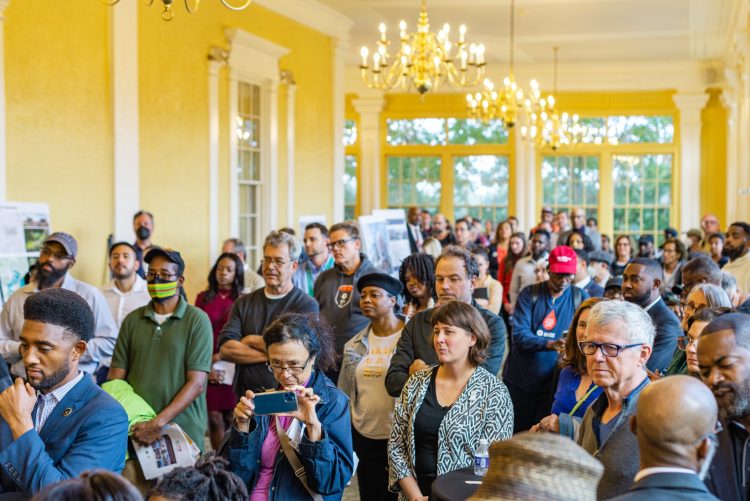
x=640, y=285
x=59, y=423
x=414, y=228
x=676, y=448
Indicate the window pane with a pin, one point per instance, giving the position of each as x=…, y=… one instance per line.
x=481, y=186
x=248, y=169
x=429, y=131
x=350, y=132
x=640, y=129
x=571, y=181
x=471, y=131
x=642, y=203
x=414, y=181
x=592, y=130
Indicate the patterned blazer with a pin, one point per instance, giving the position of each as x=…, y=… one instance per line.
x=483, y=410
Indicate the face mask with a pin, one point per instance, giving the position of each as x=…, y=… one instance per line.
x=161, y=290
x=143, y=233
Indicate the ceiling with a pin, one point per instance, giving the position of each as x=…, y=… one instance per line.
x=586, y=31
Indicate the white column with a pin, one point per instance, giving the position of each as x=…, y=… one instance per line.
x=519, y=182
x=530, y=174
x=271, y=197
x=291, y=93
x=127, y=198
x=741, y=209
x=340, y=52
x=690, y=106
x=213, y=158
x=3, y=146
x=729, y=98
x=369, y=110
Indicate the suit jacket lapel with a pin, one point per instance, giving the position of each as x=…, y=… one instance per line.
x=67, y=407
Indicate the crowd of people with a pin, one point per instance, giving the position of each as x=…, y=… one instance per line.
x=618, y=367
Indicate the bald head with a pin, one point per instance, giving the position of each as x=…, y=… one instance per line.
x=669, y=438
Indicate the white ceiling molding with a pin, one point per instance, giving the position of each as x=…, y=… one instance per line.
x=313, y=14
x=685, y=76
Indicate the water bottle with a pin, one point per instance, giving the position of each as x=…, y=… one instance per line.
x=482, y=458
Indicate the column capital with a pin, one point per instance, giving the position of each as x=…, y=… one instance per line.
x=369, y=105
x=690, y=101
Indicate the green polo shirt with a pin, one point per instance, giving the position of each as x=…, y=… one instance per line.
x=157, y=358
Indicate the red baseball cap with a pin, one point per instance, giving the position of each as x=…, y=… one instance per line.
x=563, y=259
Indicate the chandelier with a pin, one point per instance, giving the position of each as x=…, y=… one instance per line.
x=190, y=5
x=425, y=60
x=544, y=125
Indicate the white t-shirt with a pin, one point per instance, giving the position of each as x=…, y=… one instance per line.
x=373, y=413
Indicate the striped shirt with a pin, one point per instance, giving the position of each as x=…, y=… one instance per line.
x=45, y=404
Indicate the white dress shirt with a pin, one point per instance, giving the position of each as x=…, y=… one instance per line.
x=99, y=348
x=661, y=469
x=122, y=303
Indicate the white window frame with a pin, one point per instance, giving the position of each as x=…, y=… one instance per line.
x=255, y=60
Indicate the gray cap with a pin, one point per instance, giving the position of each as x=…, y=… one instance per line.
x=600, y=256
x=66, y=240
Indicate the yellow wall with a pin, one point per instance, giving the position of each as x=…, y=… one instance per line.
x=60, y=135
x=59, y=119
x=713, y=179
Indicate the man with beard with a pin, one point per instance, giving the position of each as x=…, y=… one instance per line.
x=318, y=258
x=58, y=255
x=524, y=274
x=736, y=248
x=58, y=424
x=441, y=231
x=127, y=290
x=579, y=225
x=456, y=273
x=164, y=353
x=640, y=285
x=143, y=226
x=241, y=339
x=724, y=364
x=543, y=313
x=464, y=236
x=676, y=448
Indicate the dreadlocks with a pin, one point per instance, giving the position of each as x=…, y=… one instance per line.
x=422, y=267
x=208, y=480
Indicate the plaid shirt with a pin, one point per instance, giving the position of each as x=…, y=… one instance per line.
x=45, y=404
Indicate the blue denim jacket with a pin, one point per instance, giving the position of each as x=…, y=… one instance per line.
x=328, y=463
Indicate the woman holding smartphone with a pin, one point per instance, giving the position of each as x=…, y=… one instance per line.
x=445, y=411
x=265, y=451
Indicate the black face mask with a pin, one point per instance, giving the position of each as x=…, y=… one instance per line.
x=143, y=233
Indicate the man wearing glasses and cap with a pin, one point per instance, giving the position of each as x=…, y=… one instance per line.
x=57, y=257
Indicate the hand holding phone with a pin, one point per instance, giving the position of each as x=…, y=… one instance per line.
x=243, y=411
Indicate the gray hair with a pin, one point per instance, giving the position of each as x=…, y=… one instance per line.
x=237, y=245
x=638, y=327
x=278, y=238
x=728, y=283
x=716, y=297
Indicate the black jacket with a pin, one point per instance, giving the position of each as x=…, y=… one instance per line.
x=722, y=478
x=668, y=487
x=667, y=331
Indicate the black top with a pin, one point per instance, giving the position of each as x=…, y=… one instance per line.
x=426, y=427
x=250, y=315
x=617, y=269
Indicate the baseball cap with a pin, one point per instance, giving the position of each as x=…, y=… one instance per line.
x=170, y=254
x=66, y=240
x=547, y=209
x=694, y=233
x=614, y=283
x=600, y=257
x=645, y=239
x=563, y=259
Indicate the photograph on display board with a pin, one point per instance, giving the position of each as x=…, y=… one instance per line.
x=374, y=234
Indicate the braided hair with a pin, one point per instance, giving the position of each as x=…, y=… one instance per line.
x=208, y=480
x=422, y=267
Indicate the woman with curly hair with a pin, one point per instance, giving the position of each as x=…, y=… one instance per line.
x=417, y=274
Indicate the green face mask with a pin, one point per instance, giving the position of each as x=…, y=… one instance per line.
x=161, y=290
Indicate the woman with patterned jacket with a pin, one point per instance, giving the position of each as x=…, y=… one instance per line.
x=444, y=411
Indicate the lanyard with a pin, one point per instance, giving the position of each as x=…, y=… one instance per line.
x=583, y=399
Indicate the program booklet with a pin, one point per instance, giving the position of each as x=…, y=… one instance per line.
x=173, y=450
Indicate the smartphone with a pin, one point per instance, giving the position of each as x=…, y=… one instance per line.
x=481, y=293
x=275, y=402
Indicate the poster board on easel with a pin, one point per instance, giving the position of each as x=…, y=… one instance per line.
x=23, y=228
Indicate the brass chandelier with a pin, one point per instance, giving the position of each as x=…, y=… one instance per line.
x=425, y=60
x=506, y=103
x=190, y=5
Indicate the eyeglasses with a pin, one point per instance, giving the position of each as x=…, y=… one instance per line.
x=339, y=243
x=608, y=349
x=57, y=256
x=163, y=275
x=277, y=262
x=684, y=341
x=294, y=370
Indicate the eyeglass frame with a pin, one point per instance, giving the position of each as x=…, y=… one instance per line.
x=600, y=346
x=57, y=256
x=340, y=243
x=150, y=275
x=691, y=340
x=277, y=262
x=294, y=370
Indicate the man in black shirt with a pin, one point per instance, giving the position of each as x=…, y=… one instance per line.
x=724, y=363
x=241, y=338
